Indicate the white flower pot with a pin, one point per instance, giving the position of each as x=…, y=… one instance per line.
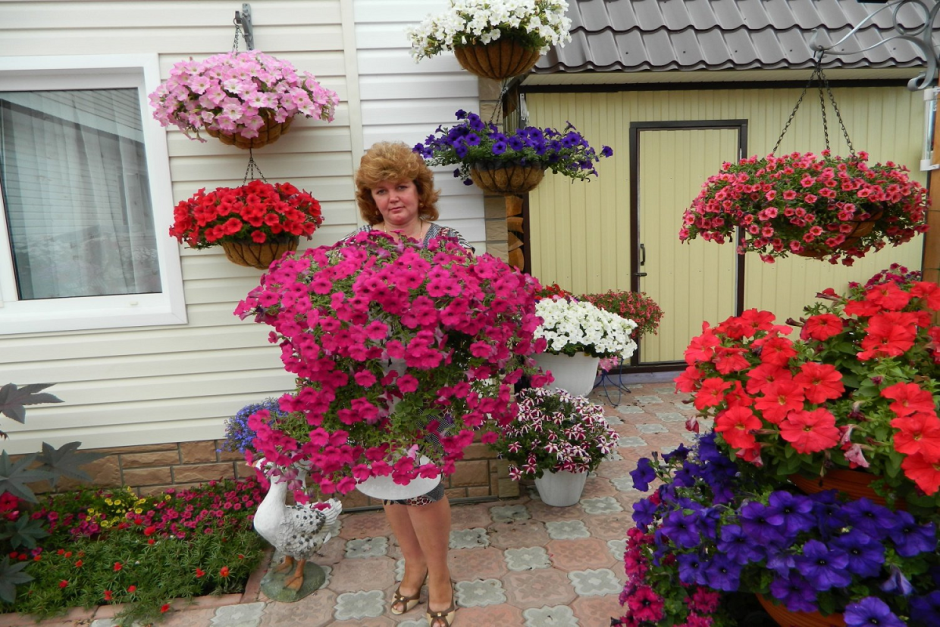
x=574, y=374
x=385, y=488
x=562, y=488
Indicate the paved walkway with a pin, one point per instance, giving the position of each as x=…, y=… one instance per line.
x=516, y=562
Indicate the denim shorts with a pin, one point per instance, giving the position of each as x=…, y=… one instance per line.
x=435, y=495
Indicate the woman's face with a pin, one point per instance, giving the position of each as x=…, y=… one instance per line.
x=397, y=201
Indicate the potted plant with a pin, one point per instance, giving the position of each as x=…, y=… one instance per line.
x=493, y=40
x=636, y=306
x=816, y=206
x=578, y=336
x=246, y=99
x=555, y=438
x=254, y=223
x=401, y=353
x=857, y=390
x=713, y=527
x=513, y=163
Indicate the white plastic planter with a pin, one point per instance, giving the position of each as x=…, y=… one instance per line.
x=562, y=488
x=385, y=488
x=574, y=374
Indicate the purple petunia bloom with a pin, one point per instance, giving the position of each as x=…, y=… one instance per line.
x=499, y=148
x=823, y=567
x=911, y=539
x=475, y=122
x=738, y=546
x=897, y=583
x=871, y=611
x=643, y=473
x=607, y=151
x=690, y=569
x=472, y=140
x=682, y=529
x=873, y=519
x=781, y=563
x=516, y=143
x=793, y=514
x=722, y=574
x=795, y=592
x=643, y=512
x=755, y=524
x=866, y=555
x=925, y=610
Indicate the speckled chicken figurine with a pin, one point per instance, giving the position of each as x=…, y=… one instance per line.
x=297, y=531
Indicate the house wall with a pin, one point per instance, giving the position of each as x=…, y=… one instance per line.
x=580, y=233
x=165, y=385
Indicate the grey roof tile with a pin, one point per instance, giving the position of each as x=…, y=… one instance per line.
x=638, y=35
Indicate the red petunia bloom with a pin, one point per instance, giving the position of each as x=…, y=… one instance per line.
x=889, y=335
x=930, y=292
x=730, y=360
x=646, y=605
x=702, y=347
x=736, y=425
x=888, y=296
x=922, y=472
x=821, y=382
x=737, y=397
x=821, y=327
x=909, y=398
x=779, y=400
x=689, y=380
x=810, y=431
x=861, y=308
x=776, y=350
x=918, y=433
x=711, y=393
x=762, y=376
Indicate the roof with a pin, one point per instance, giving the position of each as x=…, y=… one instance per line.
x=663, y=35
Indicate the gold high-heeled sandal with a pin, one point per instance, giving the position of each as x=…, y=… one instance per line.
x=447, y=616
x=407, y=602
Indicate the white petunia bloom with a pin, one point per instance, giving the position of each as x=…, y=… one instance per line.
x=578, y=326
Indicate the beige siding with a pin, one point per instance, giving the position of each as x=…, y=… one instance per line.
x=171, y=384
x=581, y=232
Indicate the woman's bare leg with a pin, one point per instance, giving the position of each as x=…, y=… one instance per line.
x=415, y=562
x=431, y=525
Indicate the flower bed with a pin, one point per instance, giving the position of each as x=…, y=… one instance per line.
x=99, y=547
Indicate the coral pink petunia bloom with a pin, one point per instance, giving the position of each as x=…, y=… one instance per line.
x=810, y=431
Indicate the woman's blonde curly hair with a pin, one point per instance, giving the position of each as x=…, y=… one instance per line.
x=394, y=161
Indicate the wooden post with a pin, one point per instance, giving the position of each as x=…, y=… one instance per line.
x=931, y=258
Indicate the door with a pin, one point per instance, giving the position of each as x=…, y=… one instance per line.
x=694, y=281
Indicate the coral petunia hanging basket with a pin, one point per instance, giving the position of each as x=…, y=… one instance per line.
x=853, y=238
x=267, y=134
x=500, y=59
x=248, y=253
x=508, y=180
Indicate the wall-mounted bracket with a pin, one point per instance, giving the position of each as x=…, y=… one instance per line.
x=243, y=19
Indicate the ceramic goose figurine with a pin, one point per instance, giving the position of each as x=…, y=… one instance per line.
x=297, y=531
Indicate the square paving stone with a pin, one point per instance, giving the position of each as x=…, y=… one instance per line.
x=527, y=558
x=631, y=442
x=509, y=513
x=469, y=538
x=567, y=530
x=630, y=409
x=601, y=505
x=367, y=547
x=653, y=428
x=596, y=582
x=613, y=456
x=480, y=592
x=624, y=484
x=248, y=615
x=613, y=420
x=648, y=400
x=670, y=416
x=558, y=616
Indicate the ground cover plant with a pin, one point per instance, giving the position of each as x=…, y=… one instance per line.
x=111, y=546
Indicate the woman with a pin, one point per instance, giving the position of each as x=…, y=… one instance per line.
x=396, y=195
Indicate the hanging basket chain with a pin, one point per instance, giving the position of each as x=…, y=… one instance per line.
x=251, y=169
x=824, y=89
x=238, y=33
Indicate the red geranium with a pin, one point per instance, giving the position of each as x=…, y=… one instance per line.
x=257, y=212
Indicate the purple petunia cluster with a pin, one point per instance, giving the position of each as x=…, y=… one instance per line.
x=473, y=143
x=713, y=527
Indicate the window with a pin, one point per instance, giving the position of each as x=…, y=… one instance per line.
x=85, y=197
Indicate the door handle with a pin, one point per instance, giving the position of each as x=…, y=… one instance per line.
x=642, y=254
x=639, y=274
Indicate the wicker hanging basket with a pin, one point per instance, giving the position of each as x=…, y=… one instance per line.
x=500, y=59
x=247, y=253
x=509, y=180
x=267, y=134
x=862, y=228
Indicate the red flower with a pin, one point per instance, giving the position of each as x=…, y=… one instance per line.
x=764, y=375
x=909, y=398
x=810, y=431
x=199, y=572
x=776, y=350
x=702, y=347
x=63, y=583
x=889, y=335
x=79, y=563
x=919, y=433
x=861, y=308
x=107, y=595
x=646, y=605
x=888, y=296
x=930, y=292
x=730, y=360
x=149, y=531
x=258, y=237
x=711, y=393
x=779, y=400
x=922, y=472
x=224, y=571
x=117, y=566
x=737, y=425
x=821, y=327
x=821, y=382
x=165, y=608
x=689, y=380
x=132, y=589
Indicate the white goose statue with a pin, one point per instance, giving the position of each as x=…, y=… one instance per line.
x=297, y=531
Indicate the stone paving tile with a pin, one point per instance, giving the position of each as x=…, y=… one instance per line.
x=596, y=488
x=548, y=513
x=361, y=574
x=315, y=610
x=377, y=621
x=617, y=548
x=364, y=525
x=595, y=582
x=567, y=530
x=470, y=516
x=509, y=513
x=631, y=442
x=470, y=564
x=597, y=610
x=513, y=535
x=367, y=547
x=571, y=555
x=651, y=428
x=359, y=605
x=469, y=538
x=558, y=616
x=502, y=615
x=528, y=558
x=630, y=409
x=612, y=526
x=247, y=615
x=601, y=505
x=480, y=592
x=536, y=588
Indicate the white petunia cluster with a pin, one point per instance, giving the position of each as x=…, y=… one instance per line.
x=483, y=21
x=572, y=326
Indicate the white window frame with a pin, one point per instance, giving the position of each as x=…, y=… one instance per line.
x=142, y=72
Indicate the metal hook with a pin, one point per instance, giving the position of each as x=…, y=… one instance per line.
x=243, y=19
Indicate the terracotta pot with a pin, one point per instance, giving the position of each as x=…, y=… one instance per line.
x=259, y=256
x=510, y=180
x=854, y=483
x=786, y=618
x=497, y=60
x=267, y=134
x=862, y=228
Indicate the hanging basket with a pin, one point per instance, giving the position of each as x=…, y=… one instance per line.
x=267, y=134
x=508, y=180
x=852, y=239
x=500, y=59
x=855, y=484
x=786, y=618
x=258, y=255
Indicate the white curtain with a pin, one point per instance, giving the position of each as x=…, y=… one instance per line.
x=73, y=174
